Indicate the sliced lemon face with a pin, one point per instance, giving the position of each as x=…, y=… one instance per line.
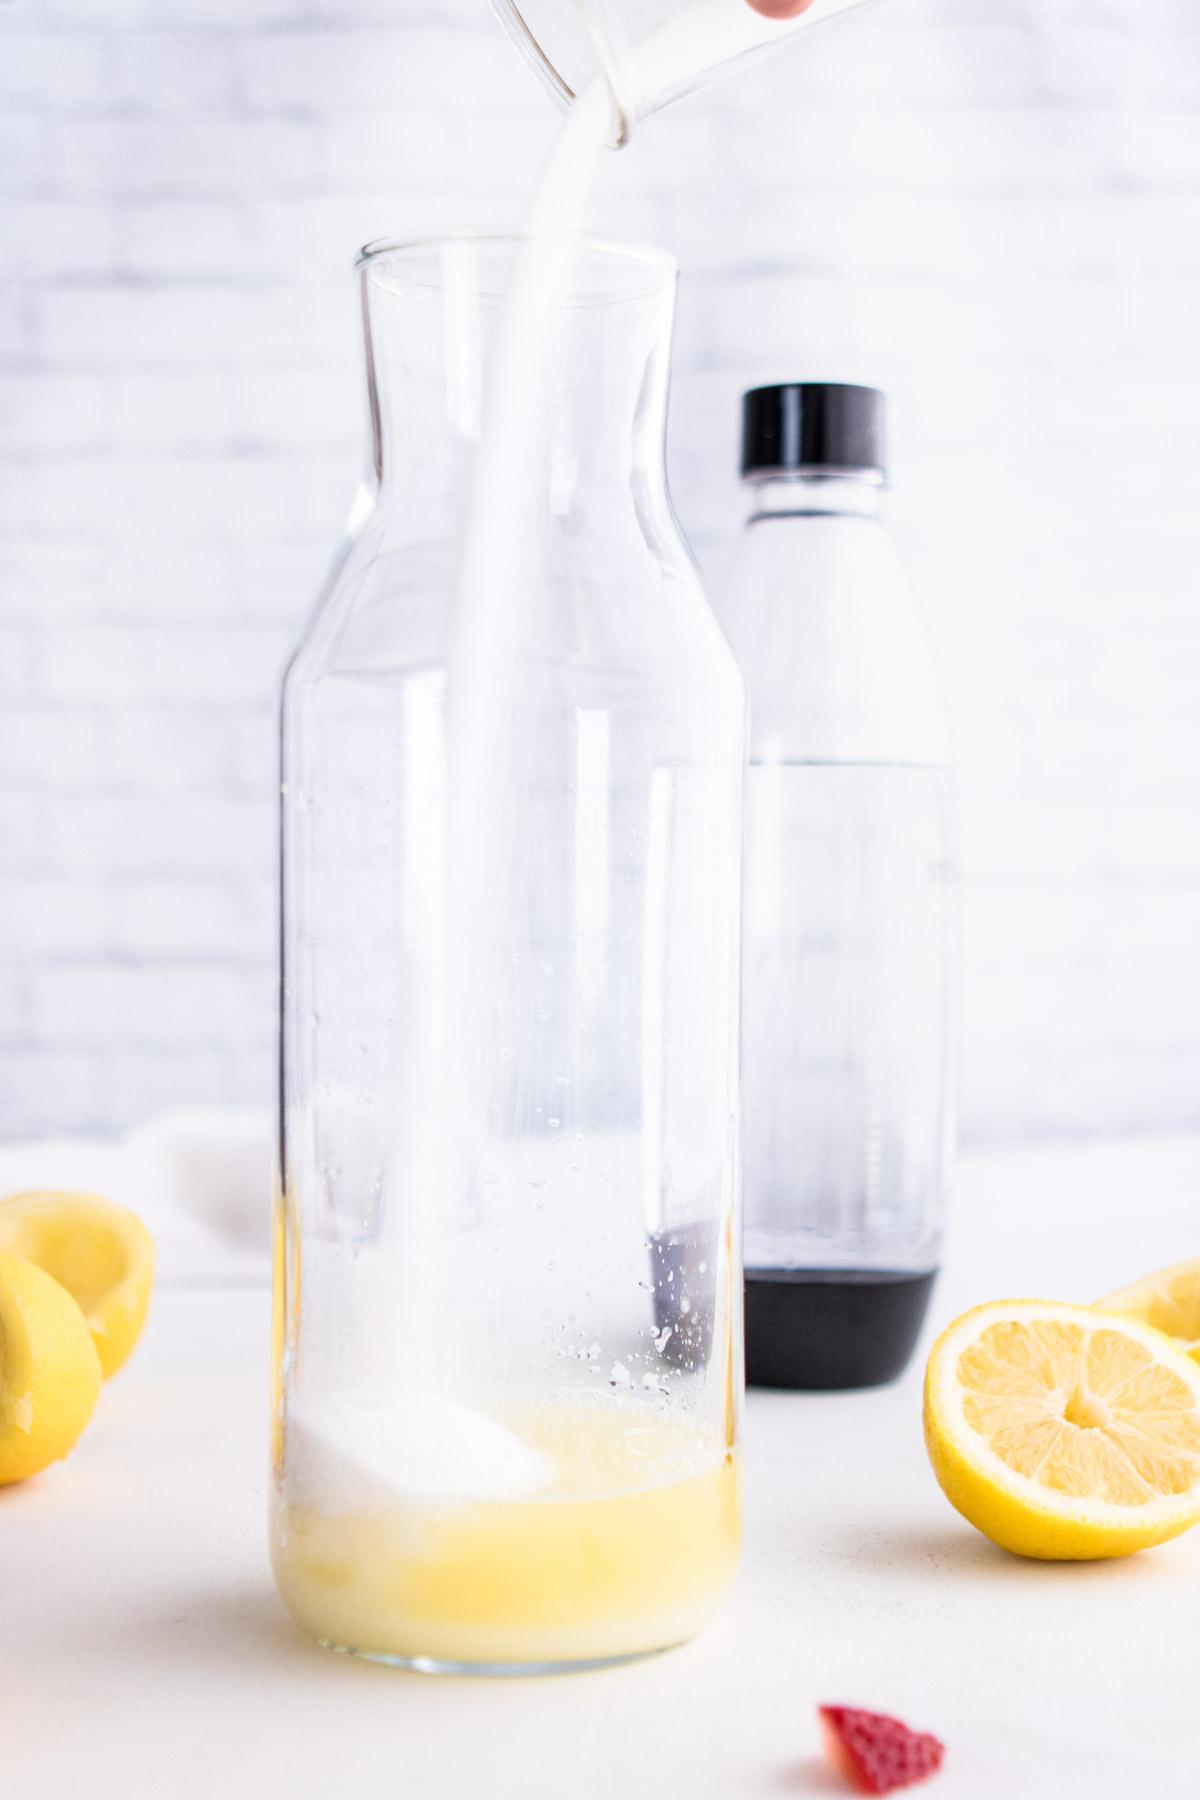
x=1169, y=1300
x=1063, y=1432
x=49, y=1370
x=102, y=1254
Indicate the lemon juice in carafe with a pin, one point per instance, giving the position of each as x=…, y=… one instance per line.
x=626, y=1541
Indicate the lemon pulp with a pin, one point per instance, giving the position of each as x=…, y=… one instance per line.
x=629, y=1549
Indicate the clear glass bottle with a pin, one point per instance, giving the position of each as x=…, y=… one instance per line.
x=850, y=931
x=648, y=52
x=508, y=1296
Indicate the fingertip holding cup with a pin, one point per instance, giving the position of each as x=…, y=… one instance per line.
x=780, y=9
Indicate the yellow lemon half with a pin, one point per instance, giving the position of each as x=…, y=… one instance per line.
x=1061, y=1432
x=1169, y=1300
x=49, y=1370
x=101, y=1253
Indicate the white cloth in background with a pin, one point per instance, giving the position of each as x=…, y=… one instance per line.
x=200, y=1178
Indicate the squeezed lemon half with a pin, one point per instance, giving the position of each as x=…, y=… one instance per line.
x=49, y=1370
x=1169, y=1300
x=1063, y=1432
x=101, y=1253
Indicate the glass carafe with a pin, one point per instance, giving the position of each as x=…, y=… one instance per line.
x=649, y=52
x=508, y=1312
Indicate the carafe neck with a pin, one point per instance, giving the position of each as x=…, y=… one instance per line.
x=540, y=369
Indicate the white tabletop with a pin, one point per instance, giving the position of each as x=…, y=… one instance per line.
x=143, y=1650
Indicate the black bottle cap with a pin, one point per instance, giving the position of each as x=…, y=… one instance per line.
x=813, y=425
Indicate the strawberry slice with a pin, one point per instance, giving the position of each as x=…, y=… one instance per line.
x=875, y=1752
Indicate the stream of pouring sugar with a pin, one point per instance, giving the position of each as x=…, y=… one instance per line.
x=496, y=589
x=442, y=1101
x=443, y=1107
x=487, y=762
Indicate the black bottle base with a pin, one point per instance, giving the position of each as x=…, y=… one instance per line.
x=831, y=1328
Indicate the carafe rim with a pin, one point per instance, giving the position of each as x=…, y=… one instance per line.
x=656, y=263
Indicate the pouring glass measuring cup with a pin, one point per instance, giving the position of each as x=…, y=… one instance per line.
x=648, y=52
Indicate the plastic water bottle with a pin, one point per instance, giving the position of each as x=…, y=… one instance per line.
x=850, y=935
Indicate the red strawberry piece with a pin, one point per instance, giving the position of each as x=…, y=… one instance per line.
x=877, y=1753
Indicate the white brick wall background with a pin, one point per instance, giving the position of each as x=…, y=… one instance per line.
x=992, y=209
